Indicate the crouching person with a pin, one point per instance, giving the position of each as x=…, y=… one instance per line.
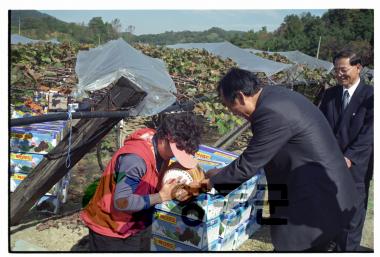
x=120, y=213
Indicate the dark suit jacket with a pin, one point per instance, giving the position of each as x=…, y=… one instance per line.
x=353, y=128
x=295, y=145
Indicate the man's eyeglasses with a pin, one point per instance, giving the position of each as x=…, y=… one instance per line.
x=342, y=70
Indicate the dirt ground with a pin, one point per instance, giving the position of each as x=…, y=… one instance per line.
x=65, y=231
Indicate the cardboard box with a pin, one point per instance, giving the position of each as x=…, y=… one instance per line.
x=17, y=178
x=215, y=154
x=245, y=210
x=57, y=101
x=162, y=244
x=227, y=243
x=250, y=188
x=184, y=230
x=33, y=140
x=241, y=235
x=24, y=162
x=234, y=198
x=205, y=207
x=229, y=223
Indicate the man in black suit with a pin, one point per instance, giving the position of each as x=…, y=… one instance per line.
x=348, y=108
x=304, y=166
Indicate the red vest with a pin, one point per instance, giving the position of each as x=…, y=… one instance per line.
x=100, y=214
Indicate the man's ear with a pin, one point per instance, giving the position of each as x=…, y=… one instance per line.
x=240, y=97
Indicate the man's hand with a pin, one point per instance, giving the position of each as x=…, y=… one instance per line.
x=195, y=188
x=348, y=162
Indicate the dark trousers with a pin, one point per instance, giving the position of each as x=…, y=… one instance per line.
x=350, y=239
x=136, y=243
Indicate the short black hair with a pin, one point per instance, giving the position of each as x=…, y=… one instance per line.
x=354, y=57
x=184, y=128
x=237, y=80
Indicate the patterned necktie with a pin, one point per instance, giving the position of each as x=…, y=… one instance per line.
x=345, y=100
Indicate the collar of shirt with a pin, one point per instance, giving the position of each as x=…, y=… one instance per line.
x=352, y=89
x=159, y=159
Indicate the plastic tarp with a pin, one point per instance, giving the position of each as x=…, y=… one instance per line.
x=243, y=59
x=18, y=39
x=301, y=58
x=98, y=67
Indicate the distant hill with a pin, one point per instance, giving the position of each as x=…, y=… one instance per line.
x=27, y=14
x=211, y=35
x=38, y=25
x=337, y=29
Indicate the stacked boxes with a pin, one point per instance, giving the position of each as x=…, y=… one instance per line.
x=28, y=145
x=210, y=222
x=194, y=233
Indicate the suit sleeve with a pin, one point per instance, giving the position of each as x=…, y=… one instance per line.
x=271, y=131
x=325, y=100
x=364, y=140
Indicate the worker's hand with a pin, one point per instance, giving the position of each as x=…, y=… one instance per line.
x=348, y=162
x=212, y=172
x=167, y=190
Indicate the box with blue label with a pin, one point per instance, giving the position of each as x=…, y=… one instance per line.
x=33, y=141
x=184, y=230
x=230, y=221
x=234, y=198
x=244, y=210
x=241, y=235
x=24, y=162
x=204, y=207
x=162, y=244
x=234, y=218
x=258, y=199
x=227, y=243
x=215, y=154
x=250, y=188
x=50, y=126
x=17, y=178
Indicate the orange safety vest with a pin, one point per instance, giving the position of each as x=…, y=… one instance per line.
x=100, y=214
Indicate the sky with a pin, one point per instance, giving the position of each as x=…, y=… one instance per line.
x=159, y=21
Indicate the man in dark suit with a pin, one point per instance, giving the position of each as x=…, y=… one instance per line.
x=303, y=163
x=348, y=108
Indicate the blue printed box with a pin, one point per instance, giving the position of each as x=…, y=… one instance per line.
x=250, y=188
x=17, y=178
x=229, y=222
x=204, y=207
x=162, y=244
x=184, y=230
x=244, y=210
x=33, y=141
x=215, y=154
x=227, y=243
x=24, y=162
x=241, y=235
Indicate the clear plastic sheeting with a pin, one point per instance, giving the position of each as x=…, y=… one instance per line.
x=243, y=59
x=97, y=68
x=17, y=39
x=300, y=58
